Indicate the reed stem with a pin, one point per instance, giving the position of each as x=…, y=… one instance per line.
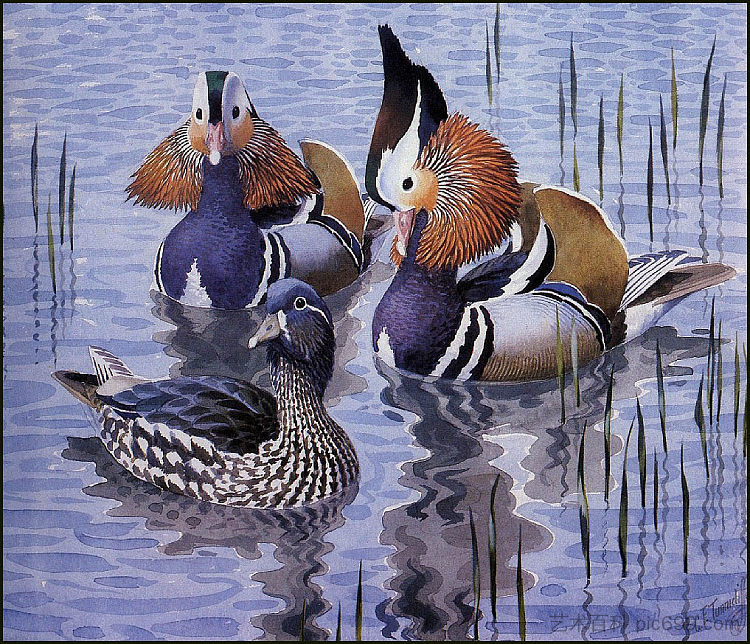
x=650, y=182
x=520, y=592
x=622, y=534
x=662, y=396
x=704, y=111
x=685, y=511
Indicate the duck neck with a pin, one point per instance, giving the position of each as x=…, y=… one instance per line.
x=299, y=397
x=421, y=310
x=308, y=435
x=222, y=194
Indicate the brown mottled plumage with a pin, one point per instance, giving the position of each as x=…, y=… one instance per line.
x=272, y=175
x=469, y=188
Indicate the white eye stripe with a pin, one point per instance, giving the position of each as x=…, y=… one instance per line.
x=318, y=311
x=234, y=96
x=200, y=98
x=397, y=164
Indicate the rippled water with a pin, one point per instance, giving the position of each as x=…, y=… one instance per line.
x=92, y=553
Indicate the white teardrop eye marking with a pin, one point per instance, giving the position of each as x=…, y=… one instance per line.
x=200, y=99
x=300, y=303
x=236, y=109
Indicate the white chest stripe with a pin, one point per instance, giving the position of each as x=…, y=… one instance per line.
x=267, y=259
x=157, y=269
x=472, y=343
x=384, y=350
x=195, y=293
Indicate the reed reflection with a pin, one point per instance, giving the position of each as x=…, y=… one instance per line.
x=473, y=433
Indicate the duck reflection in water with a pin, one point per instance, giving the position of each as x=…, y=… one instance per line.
x=476, y=434
x=298, y=536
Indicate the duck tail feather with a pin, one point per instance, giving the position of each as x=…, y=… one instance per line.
x=107, y=365
x=684, y=280
x=646, y=270
x=369, y=207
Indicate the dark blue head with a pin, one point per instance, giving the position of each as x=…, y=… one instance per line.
x=299, y=328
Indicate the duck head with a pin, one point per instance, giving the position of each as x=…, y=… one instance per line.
x=223, y=122
x=298, y=327
x=422, y=159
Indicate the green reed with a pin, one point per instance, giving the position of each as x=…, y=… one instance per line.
x=492, y=549
x=700, y=420
x=583, y=509
x=519, y=592
x=620, y=118
x=488, y=64
x=664, y=148
x=608, y=434
x=35, y=177
x=650, y=182
x=744, y=416
x=576, y=173
x=574, y=362
x=71, y=203
x=497, y=40
x=51, y=245
x=622, y=533
x=61, y=188
x=338, y=625
x=561, y=106
x=475, y=575
x=560, y=367
x=358, y=607
x=302, y=621
x=736, y=380
x=674, y=104
x=600, y=148
x=685, y=511
x=719, y=376
x=662, y=397
x=656, y=494
x=720, y=140
x=704, y=111
x=641, y=451
x=711, y=358
x=573, y=88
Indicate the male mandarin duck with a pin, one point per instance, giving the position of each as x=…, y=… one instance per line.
x=225, y=441
x=453, y=191
x=238, y=178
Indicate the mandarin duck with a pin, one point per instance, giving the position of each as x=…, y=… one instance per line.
x=454, y=195
x=239, y=179
x=225, y=441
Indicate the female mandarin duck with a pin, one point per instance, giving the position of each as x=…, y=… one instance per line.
x=225, y=441
x=454, y=195
x=237, y=177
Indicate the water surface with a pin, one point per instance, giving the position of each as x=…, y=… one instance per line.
x=92, y=553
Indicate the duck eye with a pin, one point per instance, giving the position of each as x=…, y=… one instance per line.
x=408, y=183
x=235, y=112
x=300, y=303
x=199, y=114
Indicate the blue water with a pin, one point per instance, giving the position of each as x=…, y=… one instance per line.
x=92, y=553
